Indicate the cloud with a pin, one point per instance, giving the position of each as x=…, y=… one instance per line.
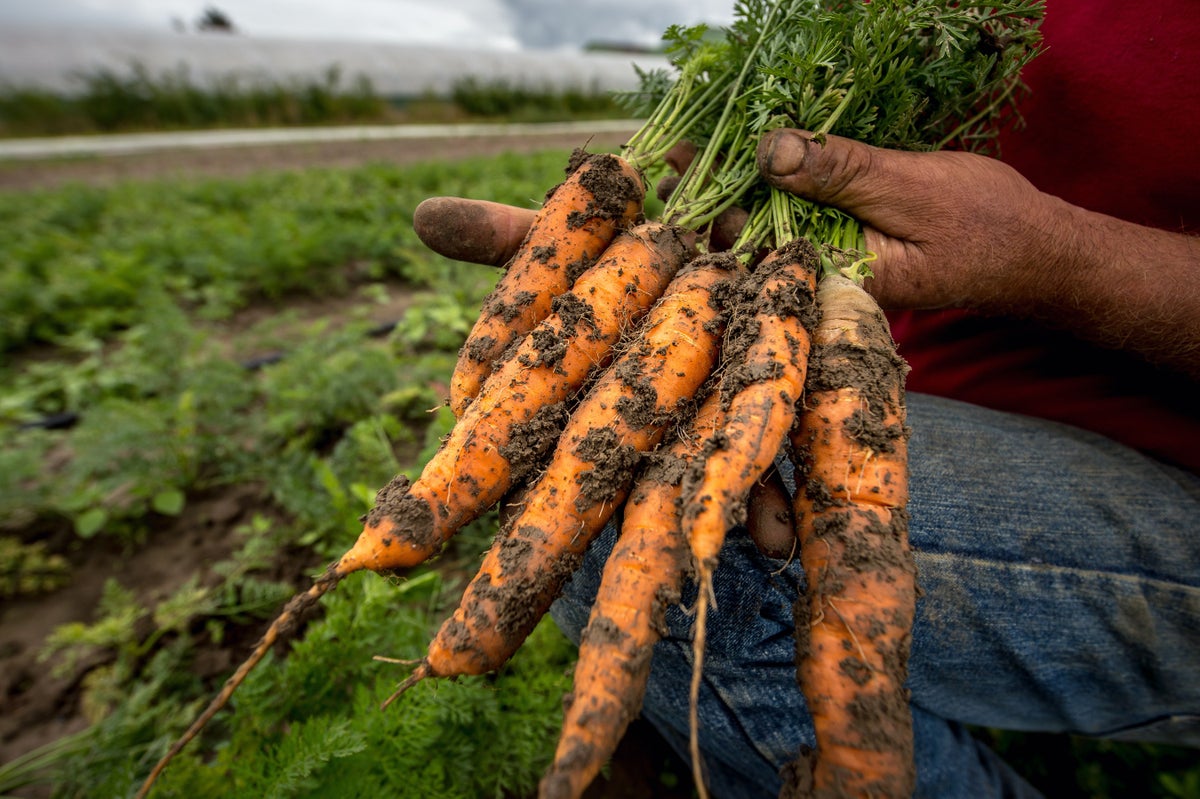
x=500, y=24
x=551, y=23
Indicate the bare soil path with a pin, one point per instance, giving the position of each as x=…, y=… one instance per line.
x=27, y=175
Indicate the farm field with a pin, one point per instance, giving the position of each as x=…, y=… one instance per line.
x=205, y=381
x=208, y=364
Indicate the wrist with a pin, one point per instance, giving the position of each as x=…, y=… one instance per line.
x=1112, y=282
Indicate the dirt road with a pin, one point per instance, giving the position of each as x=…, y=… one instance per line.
x=25, y=175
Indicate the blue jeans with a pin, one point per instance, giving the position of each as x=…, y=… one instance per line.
x=1061, y=592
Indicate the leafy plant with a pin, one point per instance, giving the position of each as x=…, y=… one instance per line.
x=501, y=98
x=435, y=321
x=134, y=98
x=27, y=569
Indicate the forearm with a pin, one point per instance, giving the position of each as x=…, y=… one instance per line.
x=1118, y=284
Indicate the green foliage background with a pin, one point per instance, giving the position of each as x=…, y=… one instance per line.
x=125, y=307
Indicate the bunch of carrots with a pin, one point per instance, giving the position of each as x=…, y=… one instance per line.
x=627, y=370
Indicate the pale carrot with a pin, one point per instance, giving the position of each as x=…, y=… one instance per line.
x=854, y=625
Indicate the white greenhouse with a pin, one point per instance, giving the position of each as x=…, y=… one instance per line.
x=53, y=60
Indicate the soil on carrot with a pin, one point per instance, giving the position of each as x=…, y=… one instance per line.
x=609, y=186
x=530, y=442
x=612, y=469
x=792, y=301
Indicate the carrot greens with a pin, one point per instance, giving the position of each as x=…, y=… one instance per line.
x=914, y=75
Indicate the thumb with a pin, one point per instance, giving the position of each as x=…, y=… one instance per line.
x=831, y=170
x=769, y=517
x=476, y=231
x=901, y=199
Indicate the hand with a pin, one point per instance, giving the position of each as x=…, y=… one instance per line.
x=956, y=229
x=949, y=228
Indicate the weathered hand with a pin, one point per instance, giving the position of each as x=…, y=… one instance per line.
x=949, y=228
x=956, y=229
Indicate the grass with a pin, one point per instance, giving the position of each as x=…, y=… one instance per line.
x=136, y=99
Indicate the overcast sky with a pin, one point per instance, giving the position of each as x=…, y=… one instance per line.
x=506, y=24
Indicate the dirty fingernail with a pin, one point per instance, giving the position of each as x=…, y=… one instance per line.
x=785, y=150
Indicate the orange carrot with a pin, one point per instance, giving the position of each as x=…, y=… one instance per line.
x=602, y=194
x=853, y=627
x=625, y=414
x=641, y=577
x=764, y=363
x=502, y=436
x=505, y=432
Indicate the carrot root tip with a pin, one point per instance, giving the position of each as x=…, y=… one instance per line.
x=396, y=661
x=421, y=672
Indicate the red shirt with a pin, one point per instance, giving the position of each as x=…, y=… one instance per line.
x=1112, y=125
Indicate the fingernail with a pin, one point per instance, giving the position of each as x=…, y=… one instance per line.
x=785, y=153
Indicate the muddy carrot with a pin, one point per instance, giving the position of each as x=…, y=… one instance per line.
x=763, y=370
x=641, y=577
x=853, y=627
x=516, y=419
x=625, y=414
x=601, y=195
x=509, y=427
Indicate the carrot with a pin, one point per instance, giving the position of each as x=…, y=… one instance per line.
x=764, y=363
x=763, y=370
x=602, y=194
x=641, y=577
x=499, y=439
x=853, y=627
x=504, y=432
x=625, y=414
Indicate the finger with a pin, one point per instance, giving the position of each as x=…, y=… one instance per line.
x=666, y=187
x=477, y=231
x=680, y=157
x=769, y=517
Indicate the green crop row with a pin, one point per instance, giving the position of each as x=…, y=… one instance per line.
x=170, y=342
x=107, y=100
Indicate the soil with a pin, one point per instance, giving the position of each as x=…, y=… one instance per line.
x=40, y=706
x=240, y=161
